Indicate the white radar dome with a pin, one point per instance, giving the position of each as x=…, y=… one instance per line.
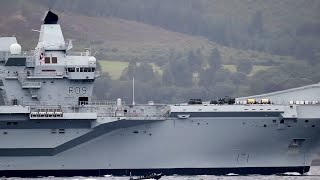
x=92, y=58
x=15, y=48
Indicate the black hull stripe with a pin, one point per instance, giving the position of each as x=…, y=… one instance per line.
x=140, y=172
x=98, y=131
x=227, y=114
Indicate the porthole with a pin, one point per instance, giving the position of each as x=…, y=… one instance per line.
x=61, y=131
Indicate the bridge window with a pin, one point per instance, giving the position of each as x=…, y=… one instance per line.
x=71, y=69
x=81, y=69
x=54, y=60
x=47, y=60
x=48, y=70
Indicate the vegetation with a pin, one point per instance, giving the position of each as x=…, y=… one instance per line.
x=181, y=49
x=113, y=68
x=177, y=85
x=287, y=27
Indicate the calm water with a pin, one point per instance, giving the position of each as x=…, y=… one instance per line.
x=314, y=174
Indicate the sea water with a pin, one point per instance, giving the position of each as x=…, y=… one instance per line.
x=314, y=174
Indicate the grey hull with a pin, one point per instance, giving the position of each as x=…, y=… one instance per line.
x=207, y=144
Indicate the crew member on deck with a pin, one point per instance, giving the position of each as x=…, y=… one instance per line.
x=41, y=58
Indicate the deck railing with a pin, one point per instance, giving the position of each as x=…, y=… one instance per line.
x=71, y=104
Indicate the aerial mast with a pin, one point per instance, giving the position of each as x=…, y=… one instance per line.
x=133, y=103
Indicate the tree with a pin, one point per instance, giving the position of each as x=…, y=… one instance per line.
x=206, y=77
x=182, y=73
x=222, y=75
x=238, y=78
x=132, y=69
x=215, y=59
x=144, y=72
x=195, y=61
x=256, y=26
x=167, y=77
x=244, y=66
x=129, y=72
x=315, y=58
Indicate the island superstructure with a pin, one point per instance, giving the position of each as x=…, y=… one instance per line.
x=50, y=126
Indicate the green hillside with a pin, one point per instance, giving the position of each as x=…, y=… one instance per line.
x=118, y=39
x=286, y=27
x=180, y=49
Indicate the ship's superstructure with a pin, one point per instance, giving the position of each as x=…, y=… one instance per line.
x=49, y=125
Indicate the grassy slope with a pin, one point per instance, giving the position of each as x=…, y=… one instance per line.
x=255, y=69
x=125, y=40
x=120, y=39
x=114, y=68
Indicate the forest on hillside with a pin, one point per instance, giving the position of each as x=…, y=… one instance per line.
x=185, y=78
x=277, y=44
x=287, y=27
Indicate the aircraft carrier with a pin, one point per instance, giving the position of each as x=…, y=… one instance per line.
x=50, y=126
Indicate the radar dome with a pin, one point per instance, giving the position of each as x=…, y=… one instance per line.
x=15, y=48
x=92, y=58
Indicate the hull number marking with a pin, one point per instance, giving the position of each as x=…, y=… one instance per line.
x=77, y=90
